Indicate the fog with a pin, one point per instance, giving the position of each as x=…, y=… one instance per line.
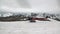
x=30, y=6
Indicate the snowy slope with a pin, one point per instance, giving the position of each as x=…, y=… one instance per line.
x=25, y=27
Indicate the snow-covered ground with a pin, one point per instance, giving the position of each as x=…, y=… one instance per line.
x=26, y=27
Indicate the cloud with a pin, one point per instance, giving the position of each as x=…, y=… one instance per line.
x=30, y=5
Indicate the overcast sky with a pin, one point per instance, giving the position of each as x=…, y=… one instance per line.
x=30, y=5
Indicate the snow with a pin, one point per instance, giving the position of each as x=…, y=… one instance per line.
x=26, y=27
x=7, y=15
